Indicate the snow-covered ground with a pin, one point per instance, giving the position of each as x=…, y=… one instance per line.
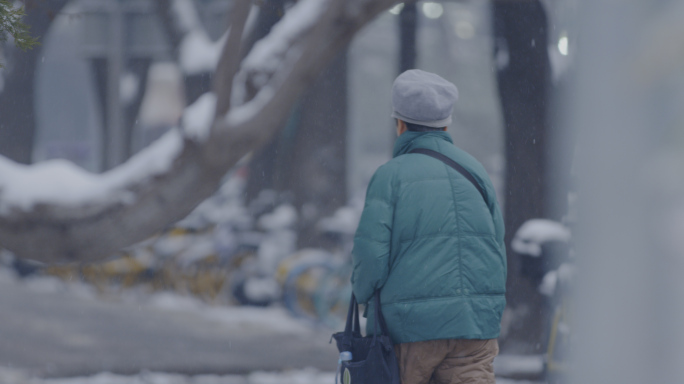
x=305, y=376
x=130, y=324
x=275, y=319
x=52, y=328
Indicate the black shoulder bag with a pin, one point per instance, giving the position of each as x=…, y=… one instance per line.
x=373, y=358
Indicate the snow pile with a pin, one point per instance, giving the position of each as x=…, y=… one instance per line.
x=268, y=53
x=62, y=182
x=283, y=217
x=255, y=281
x=271, y=319
x=170, y=302
x=532, y=234
x=198, y=117
x=563, y=275
x=345, y=221
x=262, y=289
x=521, y=365
x=50, y=284
x=198, y=54
x=275, y=247
x=225, y=208
x=274, y=319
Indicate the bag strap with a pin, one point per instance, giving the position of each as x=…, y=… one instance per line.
x=357, y=324
x=379, y=318
x=353, y=326
x=456, y=166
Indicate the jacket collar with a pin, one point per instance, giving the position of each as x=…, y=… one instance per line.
x=410, y=140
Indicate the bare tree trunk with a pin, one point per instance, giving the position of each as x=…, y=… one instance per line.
x=139, y=67
x=266, y=161
x=408, y=26
x=317, y=174
x=17, y=113
x=523, y=82
x=309, y=159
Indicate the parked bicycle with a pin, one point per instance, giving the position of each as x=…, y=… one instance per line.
x=317, y=287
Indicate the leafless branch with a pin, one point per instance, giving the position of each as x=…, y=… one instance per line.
x=230, y=57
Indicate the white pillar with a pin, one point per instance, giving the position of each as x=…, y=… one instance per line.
x=629, y=318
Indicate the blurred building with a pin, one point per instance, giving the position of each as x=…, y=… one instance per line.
x=162, y=105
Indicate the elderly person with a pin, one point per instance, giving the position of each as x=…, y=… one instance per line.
x=430, y=240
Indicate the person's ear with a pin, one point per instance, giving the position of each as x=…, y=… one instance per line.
x=401, y=127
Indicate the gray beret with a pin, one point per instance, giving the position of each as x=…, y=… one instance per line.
x=420, y=97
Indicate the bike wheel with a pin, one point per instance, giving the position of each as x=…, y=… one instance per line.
x=331, y=299
x=300, y=285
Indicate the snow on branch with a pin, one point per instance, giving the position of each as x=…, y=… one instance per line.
x=197, y=118
x=198, y=54
x=268, y=56
x=309, y=34
x=269, y=53
x=56, y=212
x=60, y=182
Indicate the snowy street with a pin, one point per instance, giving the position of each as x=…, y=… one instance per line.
x=63, y=333
x=51, y=328
x=307, y=376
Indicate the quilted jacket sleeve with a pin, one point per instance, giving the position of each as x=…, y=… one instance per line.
x=373, y=237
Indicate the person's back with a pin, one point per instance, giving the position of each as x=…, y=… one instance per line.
x=433, y=246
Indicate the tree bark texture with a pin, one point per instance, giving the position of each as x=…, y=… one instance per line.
x=408, y=27
x=316, y=174
x=523, y=83
x=308, y=160
x=264, y=164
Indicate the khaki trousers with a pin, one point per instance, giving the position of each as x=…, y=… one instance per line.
x=447, y=361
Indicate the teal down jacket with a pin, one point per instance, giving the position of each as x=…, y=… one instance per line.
x=432, y=246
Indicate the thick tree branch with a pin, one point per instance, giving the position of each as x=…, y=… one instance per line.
x=93, y=229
